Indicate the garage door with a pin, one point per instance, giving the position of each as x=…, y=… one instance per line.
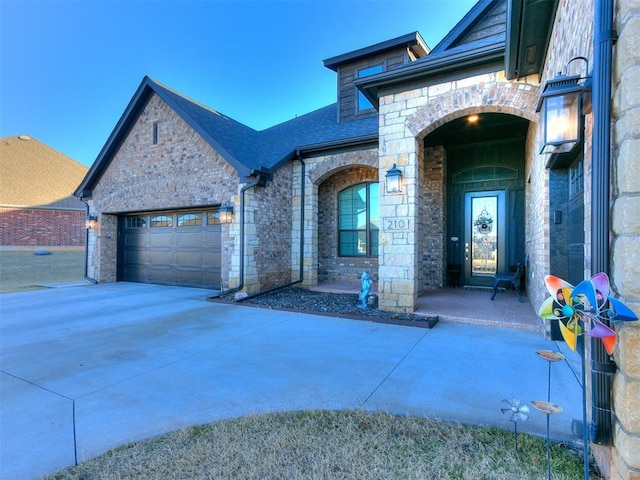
x=172, y=248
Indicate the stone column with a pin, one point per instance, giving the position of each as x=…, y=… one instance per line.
x=625, y=461
x=398, y=247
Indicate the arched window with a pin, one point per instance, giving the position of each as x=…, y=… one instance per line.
x=358, y=223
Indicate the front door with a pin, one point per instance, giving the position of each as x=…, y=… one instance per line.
x=484, y=236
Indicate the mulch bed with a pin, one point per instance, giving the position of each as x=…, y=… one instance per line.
x=296, y=299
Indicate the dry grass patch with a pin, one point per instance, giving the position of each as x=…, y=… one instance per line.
x=332, y=445
x=22, y=271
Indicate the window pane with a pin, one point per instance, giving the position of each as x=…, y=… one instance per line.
x=353, y=243
x=373, y=242
x=374, y=202
x=213, y=218
x=363, y=103
x=136, y=222
x=358, y=220
x=189, y=219
x=161, y=221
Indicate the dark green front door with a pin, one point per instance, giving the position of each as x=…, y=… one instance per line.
x=485, y=210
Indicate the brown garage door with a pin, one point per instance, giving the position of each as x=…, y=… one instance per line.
x=172, y=248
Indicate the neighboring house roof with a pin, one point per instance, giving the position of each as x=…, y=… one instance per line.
x=33, y=174
x=249, y=151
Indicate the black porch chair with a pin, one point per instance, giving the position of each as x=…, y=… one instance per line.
x=513, y=279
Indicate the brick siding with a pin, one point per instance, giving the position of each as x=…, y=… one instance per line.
x=180, y=171
x=47, y=228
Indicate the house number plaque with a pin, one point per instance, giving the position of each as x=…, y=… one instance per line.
x=396, y=223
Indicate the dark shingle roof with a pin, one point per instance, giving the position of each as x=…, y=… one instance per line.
x=266, y=149
x=246, y=149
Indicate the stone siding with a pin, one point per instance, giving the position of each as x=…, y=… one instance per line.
x=625, y=217
x=415, y=259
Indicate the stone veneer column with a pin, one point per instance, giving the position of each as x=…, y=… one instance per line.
x=398, y=246
x=310, y=242
x=625, y=454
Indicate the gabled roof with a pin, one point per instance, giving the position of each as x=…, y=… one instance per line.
x=412, y=41
x=33, y=174
x=477, y=41
x=496, y=34
x=247, y=150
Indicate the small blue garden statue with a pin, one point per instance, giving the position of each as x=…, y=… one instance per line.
x=365, y=289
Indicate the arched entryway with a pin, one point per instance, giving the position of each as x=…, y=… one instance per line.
x=348, y=225
x=483, y=157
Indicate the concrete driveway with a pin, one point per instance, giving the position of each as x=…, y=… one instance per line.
x=88, y=368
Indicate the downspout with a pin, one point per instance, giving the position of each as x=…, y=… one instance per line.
x=301, y=268
x=242, y=205
x=86, y=247
x=602, y=367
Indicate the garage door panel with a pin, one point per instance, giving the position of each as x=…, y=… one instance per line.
x=162, y=238
x=213, y=239
x=189, y=239
x=177, y=255
x=136, y=239
x=162, y=257
x=191, y=259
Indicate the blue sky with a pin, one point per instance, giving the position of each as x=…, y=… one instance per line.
x=69, y=68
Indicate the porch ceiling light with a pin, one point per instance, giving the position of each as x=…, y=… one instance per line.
x=226, y=213
x=394, y=180
x=90, y=222
x=561, y=103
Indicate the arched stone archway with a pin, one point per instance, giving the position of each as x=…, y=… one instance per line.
x=406, y=119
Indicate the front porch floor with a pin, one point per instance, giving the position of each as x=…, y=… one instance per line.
x=465, y=305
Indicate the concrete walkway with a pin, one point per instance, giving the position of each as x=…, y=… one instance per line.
x=85, y=369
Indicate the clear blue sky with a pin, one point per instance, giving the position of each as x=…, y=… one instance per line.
x=69, y=67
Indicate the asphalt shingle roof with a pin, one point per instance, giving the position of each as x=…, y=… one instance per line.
x=266, y=149
x=34, y=174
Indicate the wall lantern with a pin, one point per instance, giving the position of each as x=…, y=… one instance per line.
x=226, y=213
x=90, y=222
x=394, y=180
x=561, y=103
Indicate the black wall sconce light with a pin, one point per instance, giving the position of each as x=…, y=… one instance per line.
x=90, y=222
x=562, y=104
x=394, y=180
x=226, y=213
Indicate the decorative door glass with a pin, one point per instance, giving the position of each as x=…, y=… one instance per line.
x=484, y=237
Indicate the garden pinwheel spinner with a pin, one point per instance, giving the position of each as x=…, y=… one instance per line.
x=584, y=309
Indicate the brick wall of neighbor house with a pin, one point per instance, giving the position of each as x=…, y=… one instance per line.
x=181, y=171
x=625, y=454
x=41, y=228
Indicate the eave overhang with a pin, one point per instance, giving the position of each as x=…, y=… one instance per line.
x=412, y=41
x=529, y=27
x=489, y=56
